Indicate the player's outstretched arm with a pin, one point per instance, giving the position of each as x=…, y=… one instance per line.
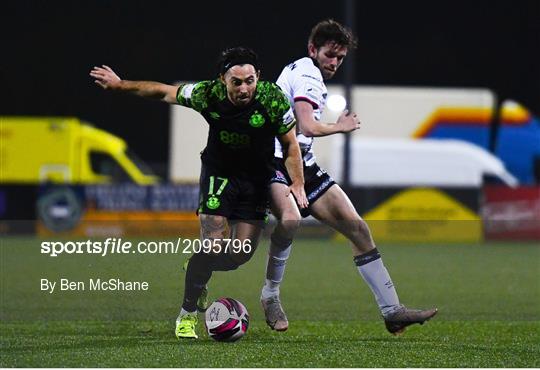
x=294, y=164
x=303, y=111
x=109, y=80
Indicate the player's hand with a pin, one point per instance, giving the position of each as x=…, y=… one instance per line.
x=297, y=190
x=105, y=77
x=348, y=121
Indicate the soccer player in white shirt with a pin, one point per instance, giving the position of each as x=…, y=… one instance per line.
x=303, y=83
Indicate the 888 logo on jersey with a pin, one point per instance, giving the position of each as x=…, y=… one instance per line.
x=234, y=139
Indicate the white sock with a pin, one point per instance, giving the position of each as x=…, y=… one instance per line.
x=275, y=269
x=184, y=312
x=372, y=269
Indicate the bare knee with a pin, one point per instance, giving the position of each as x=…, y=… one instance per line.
x=288, y=224
x=286, y=211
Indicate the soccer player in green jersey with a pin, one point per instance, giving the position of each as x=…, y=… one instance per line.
x=244, y=115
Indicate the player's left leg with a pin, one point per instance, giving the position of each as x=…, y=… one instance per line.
x=335, y=209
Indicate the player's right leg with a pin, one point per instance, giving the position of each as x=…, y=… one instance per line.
x=217, y=200
x=198, y=273
x=202, y=302
x=234, y=202
x=288, y=218
x=201, y=265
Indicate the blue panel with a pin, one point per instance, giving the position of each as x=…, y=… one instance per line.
x=470, y=132
x=517, y=146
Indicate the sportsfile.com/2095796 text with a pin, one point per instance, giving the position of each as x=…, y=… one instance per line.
x=120, y=246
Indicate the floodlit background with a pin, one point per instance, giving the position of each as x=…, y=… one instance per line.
x=49, y=47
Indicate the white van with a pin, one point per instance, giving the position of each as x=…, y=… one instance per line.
x=410, y=162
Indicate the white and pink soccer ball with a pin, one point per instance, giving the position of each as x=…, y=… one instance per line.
x=226, y=320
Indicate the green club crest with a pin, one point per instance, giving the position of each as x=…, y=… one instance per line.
x=256, y=119
x=214, y=115
x=213, y=202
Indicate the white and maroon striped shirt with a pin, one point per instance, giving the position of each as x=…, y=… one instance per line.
x=302, y=81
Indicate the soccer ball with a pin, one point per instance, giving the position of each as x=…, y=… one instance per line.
x=226, y=320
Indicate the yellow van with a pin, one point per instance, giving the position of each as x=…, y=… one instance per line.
x=65, y=150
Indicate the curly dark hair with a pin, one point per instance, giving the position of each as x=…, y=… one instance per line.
x=237, y=55
x=331, y=31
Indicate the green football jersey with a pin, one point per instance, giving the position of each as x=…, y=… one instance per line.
x=240, y=139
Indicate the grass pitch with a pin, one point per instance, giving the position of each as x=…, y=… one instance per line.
x=488, y=298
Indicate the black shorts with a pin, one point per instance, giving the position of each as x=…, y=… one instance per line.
x=316, y=181
x=234, y=197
